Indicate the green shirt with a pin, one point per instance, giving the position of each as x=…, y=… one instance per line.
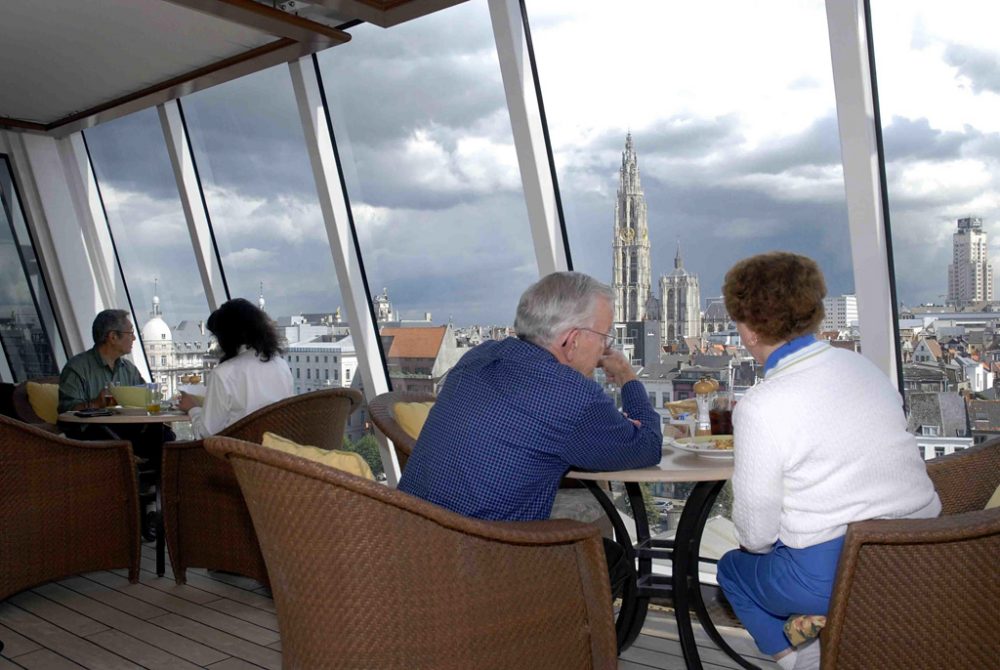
x=86, y=374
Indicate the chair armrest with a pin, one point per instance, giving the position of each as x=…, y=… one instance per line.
x=910, y=592
x=949, y=528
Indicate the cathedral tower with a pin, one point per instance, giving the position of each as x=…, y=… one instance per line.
x=680, y=300
x=630, y=267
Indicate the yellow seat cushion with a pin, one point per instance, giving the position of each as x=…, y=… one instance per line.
x=411, y=416
x=994, y=500
x=44, y=400
x=348, y=461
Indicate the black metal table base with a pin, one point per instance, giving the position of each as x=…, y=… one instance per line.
x=683, y=586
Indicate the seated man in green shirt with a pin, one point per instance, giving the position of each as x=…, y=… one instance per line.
x=85, y=379
x=84, y=384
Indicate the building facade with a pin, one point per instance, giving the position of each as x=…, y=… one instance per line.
x=970, y=274
x=175, y=353
x=630, y=274
x=680, y=303
x=841, y=312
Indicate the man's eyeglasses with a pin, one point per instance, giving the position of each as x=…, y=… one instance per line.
x=609, y=338
x=130, y=333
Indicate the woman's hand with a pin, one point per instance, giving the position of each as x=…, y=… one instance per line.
x=188, y=401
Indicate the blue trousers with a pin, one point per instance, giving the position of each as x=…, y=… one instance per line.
x=765, y=589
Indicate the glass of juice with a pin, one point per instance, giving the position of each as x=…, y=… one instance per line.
x=154, y=397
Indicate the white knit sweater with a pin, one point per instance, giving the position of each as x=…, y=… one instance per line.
x=820, y=443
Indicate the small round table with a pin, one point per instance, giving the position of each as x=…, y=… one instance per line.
x=129, y=416
x=709, y=475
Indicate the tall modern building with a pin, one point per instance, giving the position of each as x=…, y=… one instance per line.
x=680, y=303
x=970, y=275
x=630, y=267
x=841, y=312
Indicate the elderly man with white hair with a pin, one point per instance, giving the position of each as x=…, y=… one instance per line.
x=515, y=415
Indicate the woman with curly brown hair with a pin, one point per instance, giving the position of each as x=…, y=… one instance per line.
x=250, y=375
x=820, y=443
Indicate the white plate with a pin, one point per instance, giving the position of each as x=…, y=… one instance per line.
x=701, y=446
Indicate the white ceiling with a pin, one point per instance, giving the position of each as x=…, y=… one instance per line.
x=68, y=64
x=61, y=57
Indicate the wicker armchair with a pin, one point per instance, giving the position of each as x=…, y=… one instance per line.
x=444, y=591
x=923, y=593
x=382, y=410
x=65, y=507
x=205, y=520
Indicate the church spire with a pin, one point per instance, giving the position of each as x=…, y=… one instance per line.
x=630, y=247
x=260, y=297
x=678, y=261
x=156, y=298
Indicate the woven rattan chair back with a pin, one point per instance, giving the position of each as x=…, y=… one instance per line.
x=923, y=593
x=365, y=576
x=382, y=410
x=205, y=519
x=65, y=507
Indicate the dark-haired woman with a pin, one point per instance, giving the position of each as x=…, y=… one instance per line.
x=820, y=443
x=250, y=375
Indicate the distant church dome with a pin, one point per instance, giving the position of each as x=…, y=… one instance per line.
x=156, y=330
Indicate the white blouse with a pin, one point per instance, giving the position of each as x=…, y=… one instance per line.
x=238, y=387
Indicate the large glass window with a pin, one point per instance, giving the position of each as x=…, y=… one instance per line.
x=427, y=149
x=939, y=99
x=28, y=332
x=153, y=243
x=683, y=144
x=139, y=192
x=247, y=140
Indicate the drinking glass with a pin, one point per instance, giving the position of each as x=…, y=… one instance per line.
x=154, y=396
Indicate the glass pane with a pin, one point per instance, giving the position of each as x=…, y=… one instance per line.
x=680, y=150
x=424, y=137
x=27, y=325
x=261, y=195
x=258, y=182
x=939, y=98
x=152, y=240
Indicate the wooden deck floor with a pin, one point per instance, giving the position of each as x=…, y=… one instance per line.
x=100, y=621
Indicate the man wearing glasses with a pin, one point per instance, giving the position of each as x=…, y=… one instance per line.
x=515, y=415
x=84, y=381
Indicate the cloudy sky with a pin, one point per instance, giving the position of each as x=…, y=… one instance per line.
x=734, y=122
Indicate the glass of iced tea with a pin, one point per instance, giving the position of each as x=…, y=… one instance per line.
x=154, y=397
x=721, y=414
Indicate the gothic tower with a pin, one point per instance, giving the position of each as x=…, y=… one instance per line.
x=630, y=268
x=680, y=300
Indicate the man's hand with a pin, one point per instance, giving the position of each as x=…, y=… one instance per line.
x=617, y=369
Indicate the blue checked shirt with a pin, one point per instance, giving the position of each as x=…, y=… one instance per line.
x=508, y=424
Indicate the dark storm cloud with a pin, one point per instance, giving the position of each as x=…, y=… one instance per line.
x=915, y=139
x=818, y=145
x=980, y=67
x=130, y=153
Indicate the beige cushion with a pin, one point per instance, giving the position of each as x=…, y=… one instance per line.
x=44, y=400
x=994, y=500
x=348, y=461
x=411, y=416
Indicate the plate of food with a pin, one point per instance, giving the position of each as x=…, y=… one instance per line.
x=708, y=446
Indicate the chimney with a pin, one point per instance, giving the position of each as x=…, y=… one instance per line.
x=201, y=327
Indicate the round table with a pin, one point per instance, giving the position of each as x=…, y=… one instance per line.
x=135, y=416
x=709, y=475
x=126, y=416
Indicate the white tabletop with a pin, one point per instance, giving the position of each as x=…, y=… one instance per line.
x=128, y=416
x=674, y=466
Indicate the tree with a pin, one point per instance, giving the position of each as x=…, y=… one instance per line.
x=367, y=447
